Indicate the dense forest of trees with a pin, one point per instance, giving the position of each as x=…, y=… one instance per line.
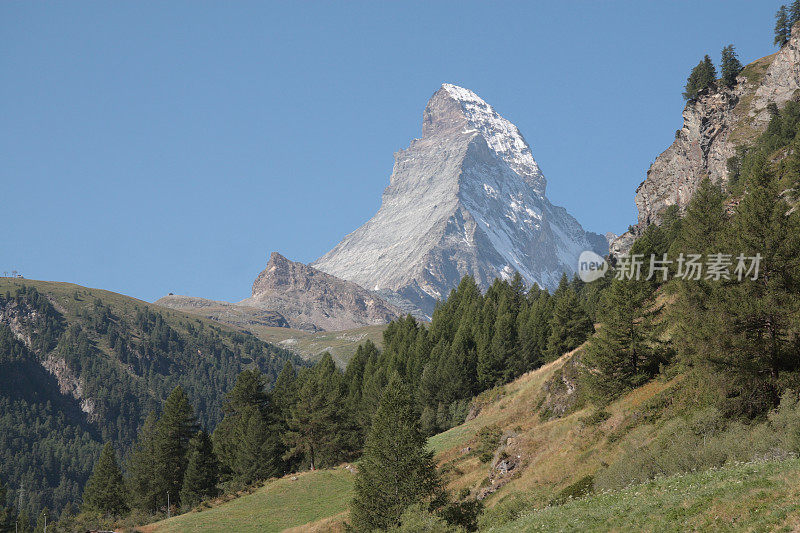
x=127, y=358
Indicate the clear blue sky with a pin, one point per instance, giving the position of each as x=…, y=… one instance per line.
x=149, y=147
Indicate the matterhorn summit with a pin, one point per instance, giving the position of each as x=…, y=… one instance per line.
x=466, y=198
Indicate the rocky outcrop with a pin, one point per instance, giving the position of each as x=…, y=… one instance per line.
x=714, y=124
x=235, y=315
x=466, y=198
x=21, y=320
x=313, y=300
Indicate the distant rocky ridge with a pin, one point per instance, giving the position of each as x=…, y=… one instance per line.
x=714, y=124
x=466, y=198
x=235, y=315
x=313, y=300
x=289, y=294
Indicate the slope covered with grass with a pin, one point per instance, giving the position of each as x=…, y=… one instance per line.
x=744, y=497
x=289, y=502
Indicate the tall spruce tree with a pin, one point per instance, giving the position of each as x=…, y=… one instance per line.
x=105, y=491
x=749, y=331
x=626, y=350
x=396, y=470
x=794, y=14
x=570, y=324
x=704, y=75
x=6, y=512
x=782, y=27
x=247, y=440
x=700, y=231
x=202, y=471
x=140, y=468
x=174, y=429
x=317, y=427
x=730, y=65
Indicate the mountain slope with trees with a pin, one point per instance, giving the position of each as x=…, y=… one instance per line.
x=82, y=367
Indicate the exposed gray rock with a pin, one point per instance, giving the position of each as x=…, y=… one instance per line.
x=313, y=300
x=713, y=126
x=466, y=198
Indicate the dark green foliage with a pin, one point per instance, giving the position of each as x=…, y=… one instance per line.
x=247, y=441
x=127, y=357
x=703, y=76
x=158, y=463
x=783, y=28
x=174, y=430
x=570, y=324
x=730, y=65
x=793, y=14
x=396, y=470
x=202, y=471
x=139, y=468
x=316, y=424
x=626, y=351
x=105, y=491
x=6, y=512
x=742, y=333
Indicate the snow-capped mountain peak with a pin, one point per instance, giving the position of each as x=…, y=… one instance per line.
x=502, y=136
x=466, y=198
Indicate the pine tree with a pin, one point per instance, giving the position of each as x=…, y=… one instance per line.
x=626, y=351
x=6, y=513
x=794, y=14
x=174, y=429
x=246, y=441
x=140, y=468
x=704, y=75
x=202, y=471
x=105, y=491
x=396, y=470
x=570, y=325
x=44, y=520
x=749, y=330
x=23, y=522
x=782, y=27
x=731, y=66
x=316, y=422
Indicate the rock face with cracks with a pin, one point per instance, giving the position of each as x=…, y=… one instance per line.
x=714, y=124
x=466, y=198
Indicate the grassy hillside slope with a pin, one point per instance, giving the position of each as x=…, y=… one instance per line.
x=294, y=501
x=518, y=457
x=745, y=497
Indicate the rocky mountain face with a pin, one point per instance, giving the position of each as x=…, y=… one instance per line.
x=714, y=124
x=312, y=300
x=466, y=198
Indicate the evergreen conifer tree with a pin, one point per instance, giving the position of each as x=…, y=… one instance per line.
x=202, y=471
x=570, y=325
x=793, y=14
x=105, y=491
x=782, y=26
x=704, y=75
x=247, y=440
x=6, y=513
x=174, y=429
x=749, y=329
x=140, y=468
x=316, y=422
x=396, y=470
x=730, y=65
x=626, y=350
